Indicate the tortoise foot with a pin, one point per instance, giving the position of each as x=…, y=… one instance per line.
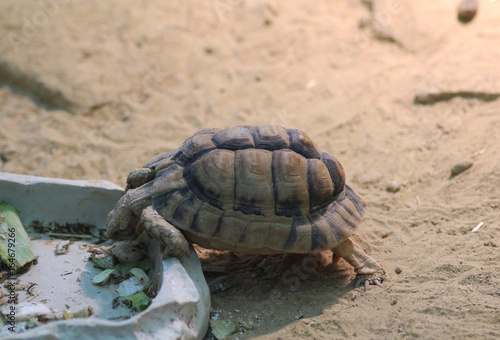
x=368, y=270
x=139, y=177
x=370, y=279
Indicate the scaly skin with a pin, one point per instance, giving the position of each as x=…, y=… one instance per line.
x=155, y=225
x=368, y=270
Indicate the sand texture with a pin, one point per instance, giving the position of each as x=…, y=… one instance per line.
x=398, y=91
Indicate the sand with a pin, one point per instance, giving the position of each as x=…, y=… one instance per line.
x=397, y=90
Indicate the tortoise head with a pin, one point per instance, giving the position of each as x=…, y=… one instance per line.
x=123, y=219
x=121, y=223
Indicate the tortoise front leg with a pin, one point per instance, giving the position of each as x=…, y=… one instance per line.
x=155, y=225
x=139, y=177
x=369, y=271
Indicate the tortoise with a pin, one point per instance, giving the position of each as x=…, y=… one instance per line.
x=255, y=190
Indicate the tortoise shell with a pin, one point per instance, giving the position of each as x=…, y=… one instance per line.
x=262, y=189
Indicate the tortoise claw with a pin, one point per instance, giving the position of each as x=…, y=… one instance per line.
x=365, y=280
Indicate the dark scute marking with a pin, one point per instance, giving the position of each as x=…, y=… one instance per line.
x=292, y=237
x=317, y=197
x=197, y=187
x=271, y=143
x=254, y=136
x=245, y=205
x=288, y=208
x=195, y=228
x=248, y=206
x=318, y=239
x=289, y=205
x=236, y=138
x=166, y=171
x=184, y=191
x=275, y=185
x=180, y=157
x=357, y=200
x=185, y=153
x=338, y=232
x=302, y=144
x=243, y=235
x=235, y=180
x=336, y=171
x=183, y=208
x=313, y=199
x=347, y=221
x=219, y=224
x=160, y=201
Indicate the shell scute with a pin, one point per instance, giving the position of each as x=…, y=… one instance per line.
x=253, y=188
x=231, y=227
x=357, y=200
x=212, y=178
x=336, y=171
x=168, y=179
x=183, y=215
x=290, y=183
x=278, y=233
x=320, y=185
x=235, y=138
x=322, y=236
x=302, y=144
x=193, y=148
x=270, y=137
x=165, y=204
x=205, y=220
x=299, y=237
x=255, y=232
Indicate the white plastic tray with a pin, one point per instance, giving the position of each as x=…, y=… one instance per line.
x=179, y=311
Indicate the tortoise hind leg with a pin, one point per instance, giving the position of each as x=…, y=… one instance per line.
x=155, y=225
x=369, y=271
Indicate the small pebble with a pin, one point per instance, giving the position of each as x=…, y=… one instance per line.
x=398, y=270
x=460, y=167
x=467, y=10
x=393, y=187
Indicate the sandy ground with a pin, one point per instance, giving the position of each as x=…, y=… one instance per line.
x=92, y=89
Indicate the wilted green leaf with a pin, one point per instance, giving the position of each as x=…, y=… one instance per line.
x=222, y=328
x=125, y=267
x=15, y=244
x=103, y=261
x=103, y=277
x=142, y=276
x=140, y=301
